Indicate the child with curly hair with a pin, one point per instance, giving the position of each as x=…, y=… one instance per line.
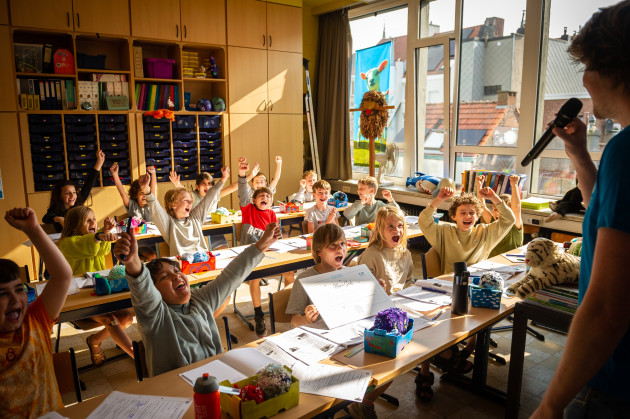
x=135, y=202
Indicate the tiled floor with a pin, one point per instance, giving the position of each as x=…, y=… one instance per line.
x=541, y=360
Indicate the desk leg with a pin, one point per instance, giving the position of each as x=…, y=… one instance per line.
x=234, y=235
x=517, y=358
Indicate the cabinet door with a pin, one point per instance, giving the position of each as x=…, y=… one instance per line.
x=50, y=14
x=7, y=82
x=102, y=16
x=286, y=139
x=247, y=24
x=284, y=28
x=203, y=21
x=247, y=72
x=285, y=82
x=155, y=19
x=249, y=138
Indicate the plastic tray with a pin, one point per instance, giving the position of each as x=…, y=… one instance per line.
x=79, y=119
x=210, y=121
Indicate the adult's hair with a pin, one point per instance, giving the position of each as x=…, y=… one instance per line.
x=603, y=44
x=464, y=199
x=172, y=197
x=380, y=225
x=324, y=236
x=203, y=176
x=264, y=189
x=74, y=220
x=155, y=266
x=9, y=271
x=321, y=184
x=56, y=203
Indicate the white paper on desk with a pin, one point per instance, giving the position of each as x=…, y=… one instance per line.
x=346, y=335
x=411, y=219
x=484, y=265
x=140, y=406
x=305, y=346
x=511, y=269
x=224, y=254
x=104, y=272
x=222, y=263
x=152, y=229
x=420, y=294
x=239, y=249
x=234, y=365
x=281, y=247
x=52, y=415
x=346, y=295
x=84, y=282
x=296, y=242
x=72, y=289
x=352, y=231
x=408, y=304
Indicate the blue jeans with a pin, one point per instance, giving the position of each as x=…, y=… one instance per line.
x=590, y=403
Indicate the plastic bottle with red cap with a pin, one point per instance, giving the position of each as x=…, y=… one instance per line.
x=206, y=398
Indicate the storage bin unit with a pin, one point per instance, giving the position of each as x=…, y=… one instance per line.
x=157, y=146
x=46, y=138
x=114, y=142
x=210, y=145
x=81, y=145
x=185, y=147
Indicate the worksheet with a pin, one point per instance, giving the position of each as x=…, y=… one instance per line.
x=139, y=406
x=305, y=346
x=346, y=295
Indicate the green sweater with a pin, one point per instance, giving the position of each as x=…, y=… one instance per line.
x=84, y=253
x=511, y=241
x=365, y=213
x=178, y=335
x=472, y=246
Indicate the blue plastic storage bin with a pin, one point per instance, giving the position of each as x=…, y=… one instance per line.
x=186, y=160
x=183, y=122
x=79, y=119
x=44, y=129
x=161, y=145
x=183, y=144
x=185, y=136
x=117, y=137
x=111, y=146
x=47, y=148
x=51, y=167
x=156, y=136
x=209, y=121
x=159, y=153
x=80, y=129
x=210, y=135
x=112, y=128
x=115, y=155
x=46, y=139
x=47, y=158
x=45, y=119
x=184, y=152
x=81, y=148
x=81, y=138
x=48, y=177
x=158, y=161
x=112, y=119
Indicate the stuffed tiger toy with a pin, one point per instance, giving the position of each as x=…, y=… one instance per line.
x=548, y=265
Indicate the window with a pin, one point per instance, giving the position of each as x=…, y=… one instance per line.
x=379, y=60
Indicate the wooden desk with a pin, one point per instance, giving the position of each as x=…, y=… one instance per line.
x=523, y=311
x=426, y=343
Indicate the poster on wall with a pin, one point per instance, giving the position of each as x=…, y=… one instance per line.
x=372, y=67
x=1, y=188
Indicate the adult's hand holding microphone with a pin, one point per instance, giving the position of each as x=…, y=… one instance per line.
x=566, y=114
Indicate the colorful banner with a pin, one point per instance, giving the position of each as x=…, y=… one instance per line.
x=371, y=73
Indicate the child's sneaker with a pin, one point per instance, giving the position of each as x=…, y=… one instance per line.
x=362, y=411
x=261, y=328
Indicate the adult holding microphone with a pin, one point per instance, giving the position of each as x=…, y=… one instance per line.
x=595, y=365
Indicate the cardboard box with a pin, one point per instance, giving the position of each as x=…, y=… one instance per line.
x=237, y=409
x=387, y=344
x=224, y=219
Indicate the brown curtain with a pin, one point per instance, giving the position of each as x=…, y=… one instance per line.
x=331, y=117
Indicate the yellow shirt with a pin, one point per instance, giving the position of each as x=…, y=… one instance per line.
x=84, y=253
x=471, y=246
x=28, y=386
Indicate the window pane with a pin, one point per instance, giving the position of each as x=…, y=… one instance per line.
x=488, y=162
x=430, y=108
x=379, y=63
x=491, y=72
x=436, y=16
x=562, y=81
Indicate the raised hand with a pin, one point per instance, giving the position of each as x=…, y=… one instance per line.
x=109, y=224
x=331, y=215
x=144, y=182
x=113, y=169
x=278, y=159
x=126, y=251
x=488, y=193
x=174, y=178
x=243, y=167
x=269, y=237
x=479, y=181
x=387, y=194
x=225, y=173
x=151, y=170
x=100, y=159
x=311, y=313
x=23, y=219
x=446, y=193
x=303, y=183
x=514, y=180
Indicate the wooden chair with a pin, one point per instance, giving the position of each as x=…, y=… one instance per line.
x=278, y=302
x=67, y=374
x=140, y=360
x=431, y=264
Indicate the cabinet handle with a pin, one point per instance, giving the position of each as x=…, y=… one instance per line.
x=68, y=18
x=176, y=31
x=185, y=31
x=270, y=40
x=78, y=21
x=270, y=101
x=263, y=40
x=264, y=102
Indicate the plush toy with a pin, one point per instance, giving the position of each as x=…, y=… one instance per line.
x=570, y=202
x=424, y=183
x=444, y=183
x=491, y=280
x=548, y=265
x=576, y=247
x=274, y=380
x=374, y=114
x=161, y=113
x=218, y=104
x=204, y=105
x=391, y=320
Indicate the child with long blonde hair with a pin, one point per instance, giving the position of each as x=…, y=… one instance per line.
x=387, y=255
x=85, y=246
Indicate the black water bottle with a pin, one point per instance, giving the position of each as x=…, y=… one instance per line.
x=459, y=304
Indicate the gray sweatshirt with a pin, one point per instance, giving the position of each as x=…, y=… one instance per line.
x=178, y=335
x=302, y=196
x=185, y=235
x=365, y=213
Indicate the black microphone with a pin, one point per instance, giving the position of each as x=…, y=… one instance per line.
x=566, y=114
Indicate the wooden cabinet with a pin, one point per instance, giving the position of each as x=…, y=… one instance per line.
x=7, y=82
x=4, y=12
x=56, y=15
x=285, y=139
x=248, y=138
x=203, y=21
x=256, y=24
x=157, y=19
x=284, y=86
x=102, y=16
x=283, y=22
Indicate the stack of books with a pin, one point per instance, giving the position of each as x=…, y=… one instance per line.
x=498, y=181
x=150, y=97
x=561, y=297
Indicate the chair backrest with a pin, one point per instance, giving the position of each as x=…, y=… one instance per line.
x=140, y=360
x=431, y=264
x=67, y=374
x=278, y=302
x=24, y=274
x=48, y=228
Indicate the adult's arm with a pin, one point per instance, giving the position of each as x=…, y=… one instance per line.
x=598, y=326
x=574, y=136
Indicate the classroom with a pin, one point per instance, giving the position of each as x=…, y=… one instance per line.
x=211, y=120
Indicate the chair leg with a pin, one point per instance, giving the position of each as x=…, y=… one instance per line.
x=272, y=317
x=390, y=399
x=227, y=333
x=78, y=385
x=58, y=337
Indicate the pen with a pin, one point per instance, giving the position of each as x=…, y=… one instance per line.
x=516, y=255
x=438, y=315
